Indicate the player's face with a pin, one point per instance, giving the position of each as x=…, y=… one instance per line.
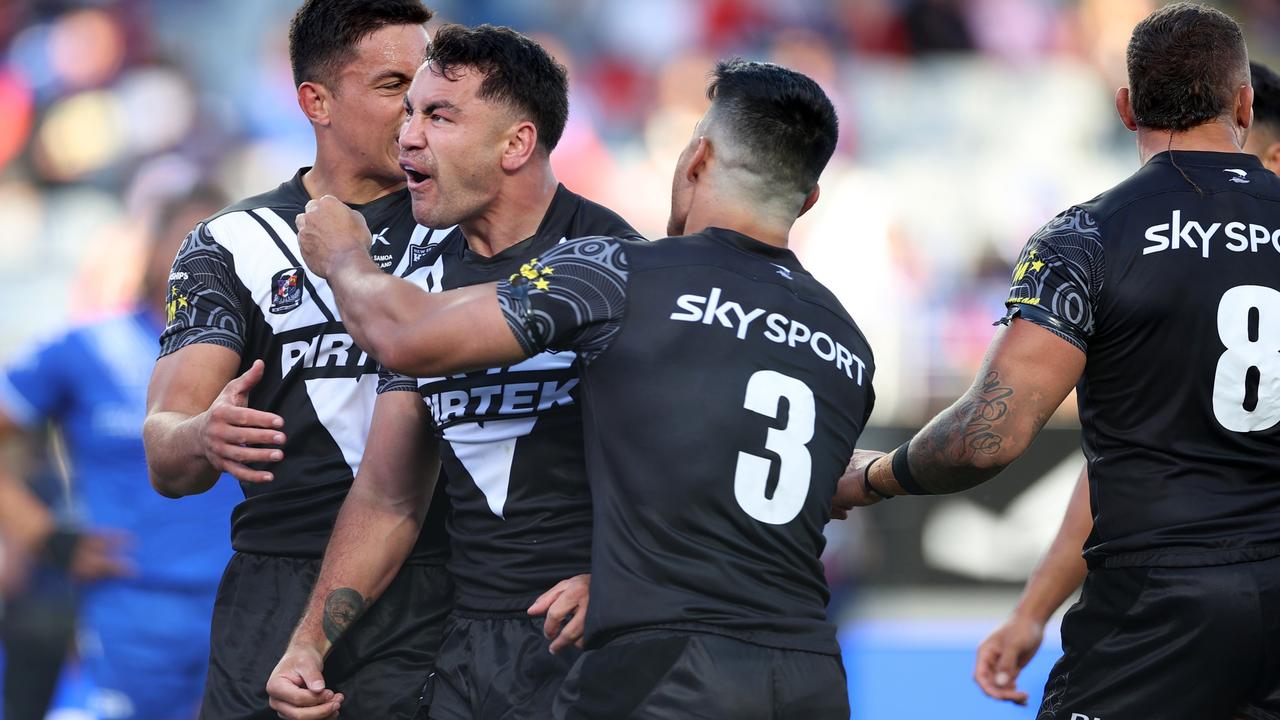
x=367, y=105
x=451, y=146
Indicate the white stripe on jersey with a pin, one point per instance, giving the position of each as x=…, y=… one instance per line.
x=343, y=405
x=257, y=261
x=120, y=343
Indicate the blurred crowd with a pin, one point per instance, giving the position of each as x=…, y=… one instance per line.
x=964, y=125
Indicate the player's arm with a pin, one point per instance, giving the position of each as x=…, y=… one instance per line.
x=375, y=531
x=406, y=328
x=199, y=424
x=1031, y=365
x=32, y=393
x=1027, y=373
x=1061, y=571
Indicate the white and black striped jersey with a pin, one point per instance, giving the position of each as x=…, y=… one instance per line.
x=512, y=437
x=239, y=281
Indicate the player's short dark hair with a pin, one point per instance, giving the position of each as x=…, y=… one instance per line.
x=517, y=71
x=324, y=33
x=1186, y=62
x=1266, y=96
x=784, y=123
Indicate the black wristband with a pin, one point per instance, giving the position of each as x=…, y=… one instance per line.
x=60, y=548
x=868, y=487
x=902, y=471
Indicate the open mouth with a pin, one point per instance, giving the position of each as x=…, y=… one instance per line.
x=414, y=176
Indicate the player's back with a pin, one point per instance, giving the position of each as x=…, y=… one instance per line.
x=1180, y=398
x=718, y=422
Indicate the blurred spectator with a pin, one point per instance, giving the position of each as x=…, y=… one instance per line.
x=149, y=566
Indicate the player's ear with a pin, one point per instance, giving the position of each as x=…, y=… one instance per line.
x=810, y=200
x=1271, y=157
x=1244, y=107
x=522, y=143
x=1124, y=106
x=698, y=160
x=313, y=98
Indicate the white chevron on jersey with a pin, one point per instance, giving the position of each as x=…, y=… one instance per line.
x=488, y=453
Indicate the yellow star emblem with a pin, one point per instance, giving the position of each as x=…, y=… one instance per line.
x=1037, y=266
x=541, y=284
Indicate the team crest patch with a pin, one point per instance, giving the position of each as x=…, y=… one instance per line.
x=286, y=290
x=417, y=252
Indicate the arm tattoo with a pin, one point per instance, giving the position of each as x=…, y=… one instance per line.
x=341, y=610
x=980, y=415
x=956, y=451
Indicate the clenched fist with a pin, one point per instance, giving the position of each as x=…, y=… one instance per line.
x=331, y=234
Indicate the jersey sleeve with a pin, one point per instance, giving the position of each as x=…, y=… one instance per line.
x=572, y=298
x=35, y=387
x=392, y=381
x=205, y=302
x=1059, y=276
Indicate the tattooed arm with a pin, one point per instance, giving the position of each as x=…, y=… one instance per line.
x=1027, y=373
x=375, y=531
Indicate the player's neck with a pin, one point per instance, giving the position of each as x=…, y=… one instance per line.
x=729, y=215
x=330, y=178
x=1209, y=137
x=514, y=214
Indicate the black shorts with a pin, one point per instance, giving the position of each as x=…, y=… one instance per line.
x=379, y=665
x=661, y=674
x=496, y=666
x=1171, y=643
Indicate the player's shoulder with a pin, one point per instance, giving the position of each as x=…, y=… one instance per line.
x=590, y=218
x=288, y=197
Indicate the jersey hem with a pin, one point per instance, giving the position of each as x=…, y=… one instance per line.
x=776, y=641
x=1191, y=558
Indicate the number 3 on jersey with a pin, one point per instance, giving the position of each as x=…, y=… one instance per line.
x=765, y=390
x=1246, y=385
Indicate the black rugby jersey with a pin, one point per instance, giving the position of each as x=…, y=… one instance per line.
x=239, y=281
x=1170, y=284
x=512, y=437
x=723, y=391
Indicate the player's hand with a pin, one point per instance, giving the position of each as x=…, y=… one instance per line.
x=296, y=687
x=1004, y=653
x=98, y=555
x=329, y=232
x=230, y=429
x=566, y=601
x=850, y=491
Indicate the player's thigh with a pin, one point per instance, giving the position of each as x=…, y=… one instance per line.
x=381, y=663
x=658, y=675
x=1173, y=643
x=497, y=666
x=1264, y=701
x=258, y=603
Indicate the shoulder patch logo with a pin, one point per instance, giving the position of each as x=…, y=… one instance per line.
x=286, y=290
x=1241, y=176
x=535, y=273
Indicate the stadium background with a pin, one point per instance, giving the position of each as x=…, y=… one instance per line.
x=965, y=124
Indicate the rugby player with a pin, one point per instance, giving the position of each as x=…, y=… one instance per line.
x=1160, y=300
x=482, y=118
x=259, y=379
x=150, y=566
x=1008, y=649
x=723, y=389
